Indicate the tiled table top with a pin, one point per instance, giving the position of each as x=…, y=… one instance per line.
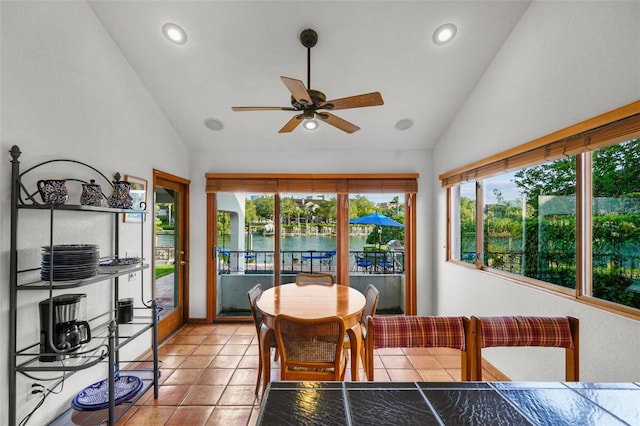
x=462, y=403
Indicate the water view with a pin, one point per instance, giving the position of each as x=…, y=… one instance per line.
x=259, y=242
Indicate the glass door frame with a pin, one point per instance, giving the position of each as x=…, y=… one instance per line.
x=276, y=184
x=178, y=317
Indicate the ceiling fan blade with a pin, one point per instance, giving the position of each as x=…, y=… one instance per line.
x=263, y=109
x=358, y=101
x=297, y=89
x=291, y=124
x=338, y=122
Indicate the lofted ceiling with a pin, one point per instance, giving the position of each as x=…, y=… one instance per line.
x=236, y=52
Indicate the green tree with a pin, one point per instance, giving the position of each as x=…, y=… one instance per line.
x=250, y=212
x=264, y=207
x=327, y=210
x=288, y=208
x=360, y=206
x=616, y=169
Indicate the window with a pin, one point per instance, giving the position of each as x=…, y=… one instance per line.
x=529, y=222
x=562, y=212
x=464, y=212
x=615, y=228
x=268, y=227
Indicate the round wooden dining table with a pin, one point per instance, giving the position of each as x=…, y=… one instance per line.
x=313, y=301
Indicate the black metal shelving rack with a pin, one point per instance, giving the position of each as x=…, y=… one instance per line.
x=113, y=336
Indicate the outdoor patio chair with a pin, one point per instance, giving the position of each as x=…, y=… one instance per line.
x=311, y=349
x=326, y=258
x=325, y=279
x=263, y=332
x=399, y=331
x=555, y=332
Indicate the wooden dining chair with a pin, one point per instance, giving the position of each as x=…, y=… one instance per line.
x=371, y=296
x=311, y=349
x=324, y=278
x=553, y=332
x=399, y=331
x=263, y=332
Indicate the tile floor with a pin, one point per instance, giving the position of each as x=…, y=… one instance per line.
x=209, y=373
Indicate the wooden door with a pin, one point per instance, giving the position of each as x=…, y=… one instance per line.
x=171, y=251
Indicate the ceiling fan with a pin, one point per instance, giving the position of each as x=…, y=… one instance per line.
x=313, y=103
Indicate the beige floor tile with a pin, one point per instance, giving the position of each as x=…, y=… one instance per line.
x=203, y=395
x=396, y=361
x=249, y=361
x=151, y=416
x=197, y=361
x=424, y=362
x=244, y=376
x=216, y=339
x=189, y=415
x=403, y=375
x=238, y=395
x=171, y=361
x=233, y=349
x=215, y=376
x=207, y=350
x=225, y=361
x=438, y=375
x=184, y=376
x=230, y=416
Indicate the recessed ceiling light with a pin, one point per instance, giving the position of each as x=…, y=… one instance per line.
x=404, y=124
x=444, y=34
x=213, y=124
x=310, y=124
x=174, y=33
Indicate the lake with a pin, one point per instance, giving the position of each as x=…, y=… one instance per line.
x=298, y=243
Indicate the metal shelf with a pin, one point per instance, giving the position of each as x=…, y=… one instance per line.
x=62, y=285
x=107, y=336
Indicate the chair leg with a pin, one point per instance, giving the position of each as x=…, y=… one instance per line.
x=259, y=368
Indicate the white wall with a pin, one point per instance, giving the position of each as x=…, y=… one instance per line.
x=67, y=92
x=392, y=161
x=564, y=62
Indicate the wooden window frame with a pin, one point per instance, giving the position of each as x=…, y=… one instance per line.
x=340, y=184
x=619, y=125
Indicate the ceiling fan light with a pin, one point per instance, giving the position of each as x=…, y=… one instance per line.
x=444, y=34
x=174, y=33
x=310, y=124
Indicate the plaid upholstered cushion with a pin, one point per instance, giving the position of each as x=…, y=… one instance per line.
x=418, y=331
x=526, y=331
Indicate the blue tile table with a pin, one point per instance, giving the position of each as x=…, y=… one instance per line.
x=460, y=403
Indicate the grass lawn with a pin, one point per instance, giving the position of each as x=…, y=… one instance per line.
x=162, y=270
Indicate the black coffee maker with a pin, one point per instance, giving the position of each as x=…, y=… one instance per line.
x=68, y=329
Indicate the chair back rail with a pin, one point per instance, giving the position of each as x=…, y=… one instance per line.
x=323, y=278
x=311, y=349
x=399, y=331
x=552, y=332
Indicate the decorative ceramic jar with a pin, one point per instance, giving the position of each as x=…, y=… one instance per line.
x=53, y=191
x=91, y=194
x=120, y=197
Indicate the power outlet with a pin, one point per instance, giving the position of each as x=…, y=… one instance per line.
x=132, y=276
x=34, y=391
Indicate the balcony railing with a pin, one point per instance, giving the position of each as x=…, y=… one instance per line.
x=309, y=261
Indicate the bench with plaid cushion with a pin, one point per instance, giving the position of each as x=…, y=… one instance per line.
x=555, y=332
x=401, y=331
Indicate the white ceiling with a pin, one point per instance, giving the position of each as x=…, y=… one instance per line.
x=237, y=50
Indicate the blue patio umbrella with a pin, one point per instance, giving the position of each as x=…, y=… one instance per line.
x=377, y=219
